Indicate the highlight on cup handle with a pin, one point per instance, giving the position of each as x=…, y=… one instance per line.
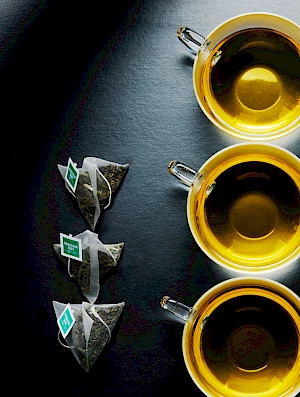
x=183, y=172
x=179, y=309
x=190, y=38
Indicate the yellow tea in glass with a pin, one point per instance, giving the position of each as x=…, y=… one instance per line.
x=252, y=214
x=243, y=206
x=251, y=81
x=246, y=75
x=242, y=338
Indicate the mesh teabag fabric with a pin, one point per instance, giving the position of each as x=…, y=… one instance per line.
x=97, y=260
x=91, y=330
x=97, y=184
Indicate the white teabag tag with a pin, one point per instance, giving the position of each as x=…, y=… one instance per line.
x=92, y=329
x=97, y=260
x=97, y=183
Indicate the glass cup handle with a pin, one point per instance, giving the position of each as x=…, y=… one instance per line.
x=177, y=308
x=190, y=38
x=184, y=173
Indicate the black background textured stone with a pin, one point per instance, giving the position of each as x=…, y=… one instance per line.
x=110, y=80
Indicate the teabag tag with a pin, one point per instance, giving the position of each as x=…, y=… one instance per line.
x=92, y=329
x=97, y=183
x=97, y=260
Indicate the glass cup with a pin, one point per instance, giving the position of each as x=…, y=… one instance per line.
x=246, y=75
x=243, y=206
x=242, y=338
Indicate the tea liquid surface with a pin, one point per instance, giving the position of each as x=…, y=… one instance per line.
x=253, y=212
x=252, y=81
x=250, y=344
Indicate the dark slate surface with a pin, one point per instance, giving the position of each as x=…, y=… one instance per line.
x=111, y=81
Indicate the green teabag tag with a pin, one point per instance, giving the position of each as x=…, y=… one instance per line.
x=97, y=260
x=92, y=329
x=97, y=183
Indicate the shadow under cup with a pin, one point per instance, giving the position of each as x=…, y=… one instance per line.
x=243, y=207
x=242, y=338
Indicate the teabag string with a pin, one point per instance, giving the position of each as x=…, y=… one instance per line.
x=67, y=346
x=102, y=321
x=94, y=183
x=109, y=187
x=69, y=265
x=93, y=311
x=92, y=174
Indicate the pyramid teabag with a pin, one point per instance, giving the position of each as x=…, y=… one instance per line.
x=97, y=183
x=97, y=260
x=91, y=330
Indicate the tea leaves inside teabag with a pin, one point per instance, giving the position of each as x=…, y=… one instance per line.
x=81, y=271
x=113, y=175
x=106, y=262
x=89, y=351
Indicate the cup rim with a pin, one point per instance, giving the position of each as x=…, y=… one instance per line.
x=287, y=293
x=257, y=13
